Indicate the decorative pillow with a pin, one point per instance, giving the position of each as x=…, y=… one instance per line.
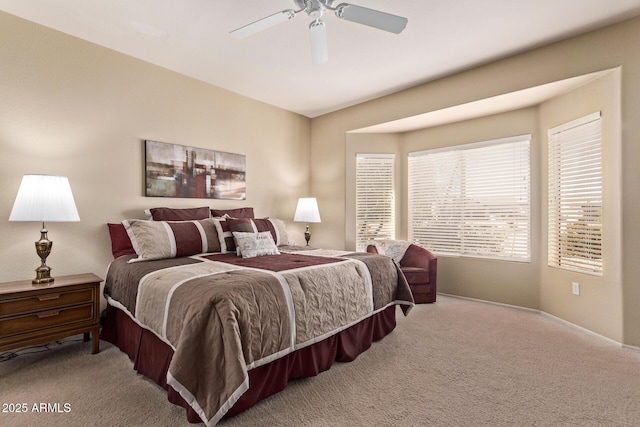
x=252, y=245
x=275, y=226
x=242, y=224
x=233, y=213
x=225, y=228
x=171, y=239
x=177, y=214
x=120, y=241
x=391, y=248
x=211, y=233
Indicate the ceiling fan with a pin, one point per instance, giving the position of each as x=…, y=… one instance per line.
x=317, y=31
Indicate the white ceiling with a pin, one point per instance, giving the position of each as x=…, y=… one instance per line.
x=442, y=37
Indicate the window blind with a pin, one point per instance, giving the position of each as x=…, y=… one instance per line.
x=375, y=202
x=472, y=200
x=575, y=196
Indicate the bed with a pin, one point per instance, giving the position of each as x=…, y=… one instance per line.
x=221, y=312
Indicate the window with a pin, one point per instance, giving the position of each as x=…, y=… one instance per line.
x=375, y=205
x=472, y=200
x=575, y=196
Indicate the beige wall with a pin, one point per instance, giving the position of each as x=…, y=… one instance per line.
x=72, y=108
x=611, y=47
x=486, y=279
x=599, y=307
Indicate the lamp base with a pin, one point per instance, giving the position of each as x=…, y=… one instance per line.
x=43, y=276
x=307, y=235
x=43, y=248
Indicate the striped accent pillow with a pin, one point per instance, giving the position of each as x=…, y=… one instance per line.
x=171, y=239
x=276, y=227
x=226, y=227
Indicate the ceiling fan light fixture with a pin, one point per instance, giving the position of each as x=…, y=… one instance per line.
x=315, y=9
x=318, y=36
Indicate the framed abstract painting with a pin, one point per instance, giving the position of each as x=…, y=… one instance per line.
x=173, y=170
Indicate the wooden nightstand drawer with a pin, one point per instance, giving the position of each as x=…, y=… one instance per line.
x=45, y=301
x=33, y=315
x=46, y=319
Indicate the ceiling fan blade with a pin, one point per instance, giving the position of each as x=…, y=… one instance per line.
x=372, y=18
x=318, y=36
x=263, y=24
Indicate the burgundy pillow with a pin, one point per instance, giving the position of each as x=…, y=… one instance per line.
x=179, y=214
x=236, y=224
x=120, y=241
x=234, y=213
x=265, y=224
x=244, y=225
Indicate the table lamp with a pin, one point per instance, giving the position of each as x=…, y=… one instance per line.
x=44, y=198
x=307, y=211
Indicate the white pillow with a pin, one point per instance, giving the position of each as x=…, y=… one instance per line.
x=255, y=244
x=281, y=230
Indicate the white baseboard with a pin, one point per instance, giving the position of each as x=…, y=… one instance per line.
x=484, y=301
x=583, y=329
x=566, y=322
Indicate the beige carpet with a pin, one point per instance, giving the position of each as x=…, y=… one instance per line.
x=453, y=363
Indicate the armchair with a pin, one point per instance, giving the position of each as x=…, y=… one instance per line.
x=420, y=267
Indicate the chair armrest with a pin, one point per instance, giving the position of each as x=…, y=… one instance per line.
x=417, y=256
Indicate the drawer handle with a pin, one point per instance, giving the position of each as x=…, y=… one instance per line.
x=49, y=313
x=48, y=297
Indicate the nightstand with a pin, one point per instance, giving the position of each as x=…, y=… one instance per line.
x=38, y=314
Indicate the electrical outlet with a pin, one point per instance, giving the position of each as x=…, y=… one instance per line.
x=576, y=288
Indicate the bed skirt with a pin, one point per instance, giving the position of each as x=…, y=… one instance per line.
x=151, y=356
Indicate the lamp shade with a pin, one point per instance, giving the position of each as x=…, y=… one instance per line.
x=44, y=198
x=307, y=210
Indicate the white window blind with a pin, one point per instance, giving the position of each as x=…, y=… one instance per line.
x=472, y=200
x=575, y=196
x=375, y=203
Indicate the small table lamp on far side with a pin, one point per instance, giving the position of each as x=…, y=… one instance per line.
x=44, y=198
x=307, y=211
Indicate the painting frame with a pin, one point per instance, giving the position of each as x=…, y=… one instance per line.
x=181, y=171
